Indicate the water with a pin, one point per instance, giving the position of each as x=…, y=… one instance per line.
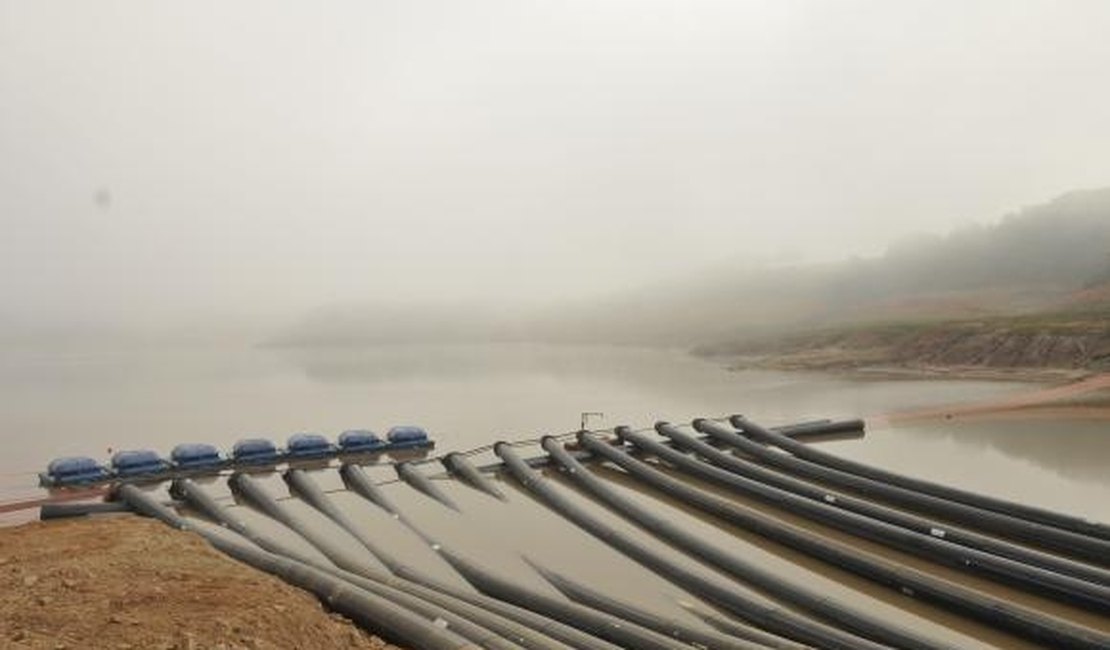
x=468, y=396
x=85, y=403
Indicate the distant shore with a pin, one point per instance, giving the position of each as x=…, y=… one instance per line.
x=1066, y=355
x=1087, y=398
x=1050, y=348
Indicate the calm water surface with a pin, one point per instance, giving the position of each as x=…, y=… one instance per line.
x=64, y=403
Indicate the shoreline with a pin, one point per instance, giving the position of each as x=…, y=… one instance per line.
x=1086, y=398
x=1055, y=392
x=905, y=371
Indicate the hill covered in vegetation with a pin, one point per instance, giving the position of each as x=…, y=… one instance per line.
x=985, y=286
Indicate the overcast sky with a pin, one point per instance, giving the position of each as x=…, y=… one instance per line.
x=162, y=160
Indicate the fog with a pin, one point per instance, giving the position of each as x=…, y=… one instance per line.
x=249, y=164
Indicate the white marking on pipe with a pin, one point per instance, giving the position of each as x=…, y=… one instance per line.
x=937, y=532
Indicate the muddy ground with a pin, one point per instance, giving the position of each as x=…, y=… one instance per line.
x=125, y=582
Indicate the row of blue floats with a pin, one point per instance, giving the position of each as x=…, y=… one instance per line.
x=190, y=457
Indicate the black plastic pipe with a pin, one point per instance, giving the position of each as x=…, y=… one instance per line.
x=572, y=633
x=1033, y=579
x=371, y=611
x=910, y=582
x=278, y=510
x=248, y=489
x=621, y=631
x=820, y=430
x=357, y=481
x=677, y=630
x=306, y=488
x=527, y=632
x=624, y=633
x=302, y=485
x=728, y=561
x=199, y=500
x=1042, y=516
x=822, y=494
x=246, y=486
x=417, y=479
x=1061, y=541
x=67, y=510
x=767, y=615
x=465, y=471
x=732, y=627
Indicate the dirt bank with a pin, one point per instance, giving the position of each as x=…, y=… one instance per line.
x=125, y=582
x=1042, y=348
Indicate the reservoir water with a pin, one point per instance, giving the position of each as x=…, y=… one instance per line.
x=63, y=403
x=87, y=402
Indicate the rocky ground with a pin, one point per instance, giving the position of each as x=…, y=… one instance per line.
x=125, y=582
x=1040, y=348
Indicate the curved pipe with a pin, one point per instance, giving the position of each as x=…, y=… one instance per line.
x=764, y=614
x=572, y=634
x=390, y=615
x=588, y=597
x=372, y=611
x=302, y=485
x=357, y=481
x=198, y=499
x=1017, y=510
x=733, y=628
x=567, y=634
x=617, y=630
x=528, y=633
x=1030, y=578
x=250, y=490
x=417, y=479
x=306, y=488
x=916, y=584
x=821, y=494
x=729, y=562
x=465, y=471
x=1062, y=541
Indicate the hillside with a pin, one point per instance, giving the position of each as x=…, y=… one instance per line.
x=1072, y=342
x=1052, y=258
x=1048, y=258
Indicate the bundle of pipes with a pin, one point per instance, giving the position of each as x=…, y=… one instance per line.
x=762, y=609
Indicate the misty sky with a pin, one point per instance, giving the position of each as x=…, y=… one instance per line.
x=161, y=160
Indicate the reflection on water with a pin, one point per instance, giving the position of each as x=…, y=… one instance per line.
x=501, y=536
x=1056, y=468
x=467, y=396
x=1072, y=449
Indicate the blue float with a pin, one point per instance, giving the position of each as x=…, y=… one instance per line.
x=308, y=445
x=195, y=455
x=138, y=462
x=359, y=441
x=255, y=451
x=73, y=470
x=405, y=437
